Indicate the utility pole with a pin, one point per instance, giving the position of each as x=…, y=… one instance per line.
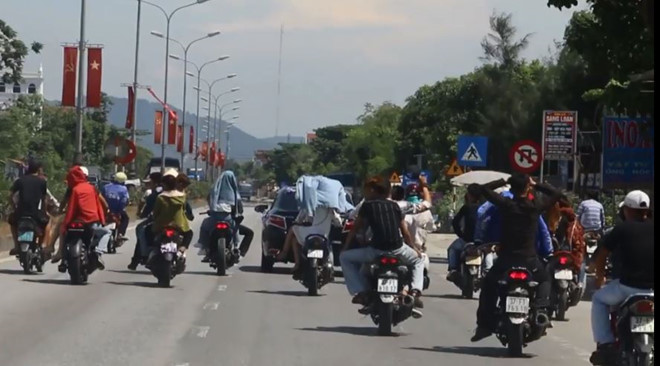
x=133, y=168
x=78, y=158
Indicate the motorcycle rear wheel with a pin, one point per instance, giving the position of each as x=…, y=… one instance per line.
x=385, y=315
x=514, y=339
x=312, y=278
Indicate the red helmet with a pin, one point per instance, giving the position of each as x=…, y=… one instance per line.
x=413, y=189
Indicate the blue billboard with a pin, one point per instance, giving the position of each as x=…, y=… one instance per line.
x=627, y=152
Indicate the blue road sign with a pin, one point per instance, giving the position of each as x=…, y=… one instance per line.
x=628, y=153
x=472, y=151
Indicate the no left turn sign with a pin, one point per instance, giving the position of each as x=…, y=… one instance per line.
x=526, y=156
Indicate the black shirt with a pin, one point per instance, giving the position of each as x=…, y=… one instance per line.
x=31, y=191
x=467, y=213
x=632, y=243
x=384, y=218
x=520, y=218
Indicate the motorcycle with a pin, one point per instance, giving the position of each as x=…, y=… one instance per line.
x=566, y=291
x=518, y=324
x=166, y=261
x=316, y=268
x=223, y=255
x=633, y=324
x=114, y=241
x=80, y=258
x=390, y=303
x=471, y=273
x=591, y=238
x=31, y=254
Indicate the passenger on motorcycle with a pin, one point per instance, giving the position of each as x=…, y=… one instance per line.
x=489, y=230
x=633, y=241
x=224, y=205
x=464, y=224
x=419, y=218
x=115, y=194
x=31, y=201
x=85, y=205
x=386, y=223
x=519, y=221
x=155, y=188
x=170, y=209
x=569, y=235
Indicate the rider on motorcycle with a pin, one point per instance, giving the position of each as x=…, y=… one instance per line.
x=170, y=209
x=591, y=214
x=31, y=196
x=633, y=241
x=386, y=221
x=224, y=205
x=520, y=219
x=116, y=195
x=467, y=216
x=85, y=205
x=155, y=189
x=569, y=235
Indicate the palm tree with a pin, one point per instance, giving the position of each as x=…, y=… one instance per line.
x=500, y=46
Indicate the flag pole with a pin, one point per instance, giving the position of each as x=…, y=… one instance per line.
x=78, y=158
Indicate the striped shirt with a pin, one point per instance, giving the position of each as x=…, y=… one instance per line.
x=384, y=218
x=591, y=215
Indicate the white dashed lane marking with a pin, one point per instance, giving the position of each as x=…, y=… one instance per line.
x=211, y=306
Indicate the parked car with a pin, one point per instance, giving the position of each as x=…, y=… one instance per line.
x=276, y=222
x=246, y=191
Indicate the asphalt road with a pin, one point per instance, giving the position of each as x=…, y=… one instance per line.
x=246, y=318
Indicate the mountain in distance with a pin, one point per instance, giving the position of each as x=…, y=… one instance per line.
x=242, y=144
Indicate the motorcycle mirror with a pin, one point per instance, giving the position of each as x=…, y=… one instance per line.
x=261, y=208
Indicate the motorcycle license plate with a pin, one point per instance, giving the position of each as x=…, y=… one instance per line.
x=473, y=261
x=564, y=274
x=641, y=324
x=26, y=237
x=168, y=248
x=388, y=285
x=518, y=305
x=591, y=250
x=317, y=253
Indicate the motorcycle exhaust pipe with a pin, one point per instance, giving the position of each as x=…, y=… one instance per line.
x=406, y=308
x=542, y=320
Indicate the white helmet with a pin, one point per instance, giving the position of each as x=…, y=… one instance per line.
x=121, y=177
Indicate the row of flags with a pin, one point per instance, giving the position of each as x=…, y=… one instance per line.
x=70, y=76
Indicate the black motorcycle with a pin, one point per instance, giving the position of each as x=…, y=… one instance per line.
x=166, y=261
x=389, y=303
x=317, y=271
x=566, y=291
x=518, y=324
x=79, y=256
x=223, y=255
x=633, y=324
x=31, y=254
x=471, y=273
x=114, y=241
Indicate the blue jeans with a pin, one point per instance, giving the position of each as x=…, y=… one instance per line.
x=454, y=254
x=101, y=238
x=356, y=281
x=208, y=225
x=612, y=294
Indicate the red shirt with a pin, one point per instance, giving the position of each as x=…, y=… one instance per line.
x=84, y=204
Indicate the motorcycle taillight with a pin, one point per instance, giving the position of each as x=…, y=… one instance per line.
x=563, y=260
x=518, y=275
x=76, y=225
x=169, y=233
x=348, y=226
x=643, y=307
x=222, y=226
x=388, y=261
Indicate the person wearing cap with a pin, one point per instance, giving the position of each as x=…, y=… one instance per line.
x=632, y=242
x=85, y=206
x=31, y=193
x=170, y=209
x=115, y=194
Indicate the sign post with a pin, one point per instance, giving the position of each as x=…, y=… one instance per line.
x=559, y=137
x=473, y=151
x=526, y=156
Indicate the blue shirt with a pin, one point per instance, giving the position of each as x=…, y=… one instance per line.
x=488, y=228
x=117, y=197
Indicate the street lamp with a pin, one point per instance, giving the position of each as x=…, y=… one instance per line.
x=197, y=88
x=168, y=17
x=186, y=48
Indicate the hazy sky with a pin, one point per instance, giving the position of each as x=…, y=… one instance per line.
x=337, y=56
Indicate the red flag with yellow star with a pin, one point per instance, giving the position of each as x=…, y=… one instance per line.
x=94, y=68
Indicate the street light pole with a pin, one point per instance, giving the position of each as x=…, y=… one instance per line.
x=135, y=86
x=166, y=120
x=78, y=159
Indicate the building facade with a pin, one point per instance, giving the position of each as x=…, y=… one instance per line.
x=32, y=83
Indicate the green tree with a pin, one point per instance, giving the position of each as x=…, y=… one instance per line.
x=501, y=46
x=12, y=53
x=290, y=161
x=328, y=146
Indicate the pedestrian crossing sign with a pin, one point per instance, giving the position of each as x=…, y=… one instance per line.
x=454, y=169
x=472, y=151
